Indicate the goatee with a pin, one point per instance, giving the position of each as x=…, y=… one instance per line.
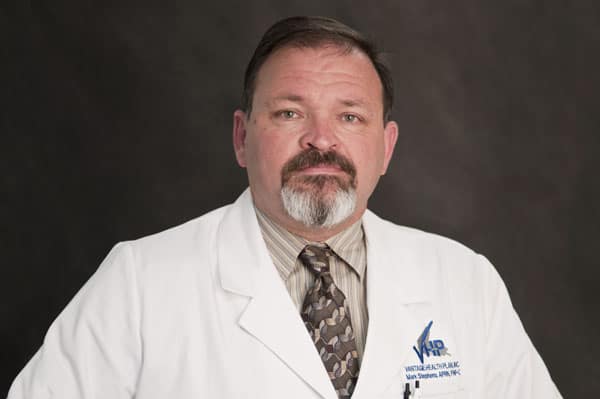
x=318, y=200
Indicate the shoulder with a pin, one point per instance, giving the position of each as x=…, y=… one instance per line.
x=393, y=233
x=446, y=253
x=175, y=245
x=184, y=234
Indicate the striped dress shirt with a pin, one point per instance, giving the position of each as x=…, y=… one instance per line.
x=348, y=269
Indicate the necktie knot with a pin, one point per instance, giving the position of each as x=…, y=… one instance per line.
x=316, y=258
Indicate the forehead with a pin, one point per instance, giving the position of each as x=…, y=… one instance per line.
x=330, y=70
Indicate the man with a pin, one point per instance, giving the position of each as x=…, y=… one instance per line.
x=295, y=290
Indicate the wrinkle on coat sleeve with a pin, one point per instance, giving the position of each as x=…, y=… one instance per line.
x=514, y=369
x=93, y=348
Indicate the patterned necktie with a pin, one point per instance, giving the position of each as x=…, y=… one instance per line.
x=325, y=315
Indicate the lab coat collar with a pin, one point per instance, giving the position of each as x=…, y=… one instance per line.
x=395, y=280
x=241, y=250
x=246, y=268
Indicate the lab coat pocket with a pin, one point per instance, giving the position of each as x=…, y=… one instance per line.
x=441, y=392
x=449, y=395
x=446, y=390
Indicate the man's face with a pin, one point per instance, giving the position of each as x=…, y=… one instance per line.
x=316, y=127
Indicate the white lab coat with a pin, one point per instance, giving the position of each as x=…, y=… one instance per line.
x=199, y=311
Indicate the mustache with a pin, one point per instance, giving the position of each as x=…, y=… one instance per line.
x=313, y=157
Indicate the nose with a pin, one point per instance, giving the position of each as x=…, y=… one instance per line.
x=320, y=135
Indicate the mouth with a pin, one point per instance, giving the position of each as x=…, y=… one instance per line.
x=321, y=169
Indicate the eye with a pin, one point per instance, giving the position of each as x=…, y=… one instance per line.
x=287, y=114
x=351, y=118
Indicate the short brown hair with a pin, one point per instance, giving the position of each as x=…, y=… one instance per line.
x=314, y=32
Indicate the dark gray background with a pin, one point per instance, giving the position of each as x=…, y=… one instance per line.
x=116, y=120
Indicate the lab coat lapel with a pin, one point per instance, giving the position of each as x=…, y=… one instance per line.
x=394, y=282
x=271, y=317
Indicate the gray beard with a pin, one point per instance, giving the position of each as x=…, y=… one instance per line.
x=313, y=210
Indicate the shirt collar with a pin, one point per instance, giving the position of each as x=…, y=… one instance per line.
x=285, y=246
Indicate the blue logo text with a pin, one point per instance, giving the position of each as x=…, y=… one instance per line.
x=428, y=347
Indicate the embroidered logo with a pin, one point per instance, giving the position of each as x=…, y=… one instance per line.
x=428, y=347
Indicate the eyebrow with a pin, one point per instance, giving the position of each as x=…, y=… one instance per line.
x=299, y=99
x=353, y=103
x=289, y=97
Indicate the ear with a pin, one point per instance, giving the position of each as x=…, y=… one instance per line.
x=390, y=136
x=239, y=137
